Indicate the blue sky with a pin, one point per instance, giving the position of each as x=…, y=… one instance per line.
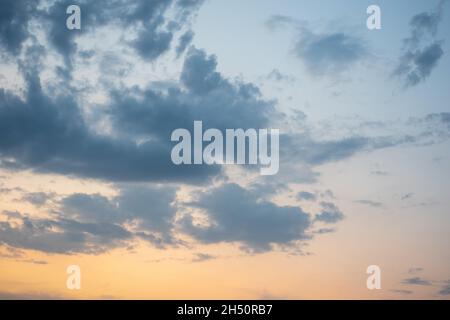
x=85, y=171
x=247, y=48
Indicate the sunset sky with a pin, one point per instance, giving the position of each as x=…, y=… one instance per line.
x=86, y=176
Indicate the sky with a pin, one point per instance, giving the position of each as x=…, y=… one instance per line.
x=86, y=176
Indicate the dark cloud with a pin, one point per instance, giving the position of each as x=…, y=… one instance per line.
x=91, y=208
x=204, y=94
x=416, y=281
x=50, y=135
x=150, y=209
x=148, y=19
x=187, y=8
x=416, y=66
x=150, y=44
x=421, y=52
x=329, y=53
x=304, y=195
x=14, y=18
x=238, y=215
x=199, y=73
x=94, y=223
x=330, y=213
x=62, y=235
x=184, y=42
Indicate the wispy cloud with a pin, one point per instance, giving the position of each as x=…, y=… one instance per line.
x=374, y=204
x=422, y=51
x=418, y=281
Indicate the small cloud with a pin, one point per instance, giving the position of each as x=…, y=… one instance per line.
x=33, y=261
x=416, y=281
x=400, y=291
x=278, y=21
x=370, y=203
x=330, y=213
x=200, y=257
x=329, y=53
x=277, y=75
x=407, y=196
x=413, y=270
x=324, y=230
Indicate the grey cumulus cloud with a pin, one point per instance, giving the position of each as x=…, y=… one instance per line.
x=93, y=223
x=147, y=18
x=37, y=198
x=14, y=18
x=237, y=215
x=50, y=134
x=422, y=51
